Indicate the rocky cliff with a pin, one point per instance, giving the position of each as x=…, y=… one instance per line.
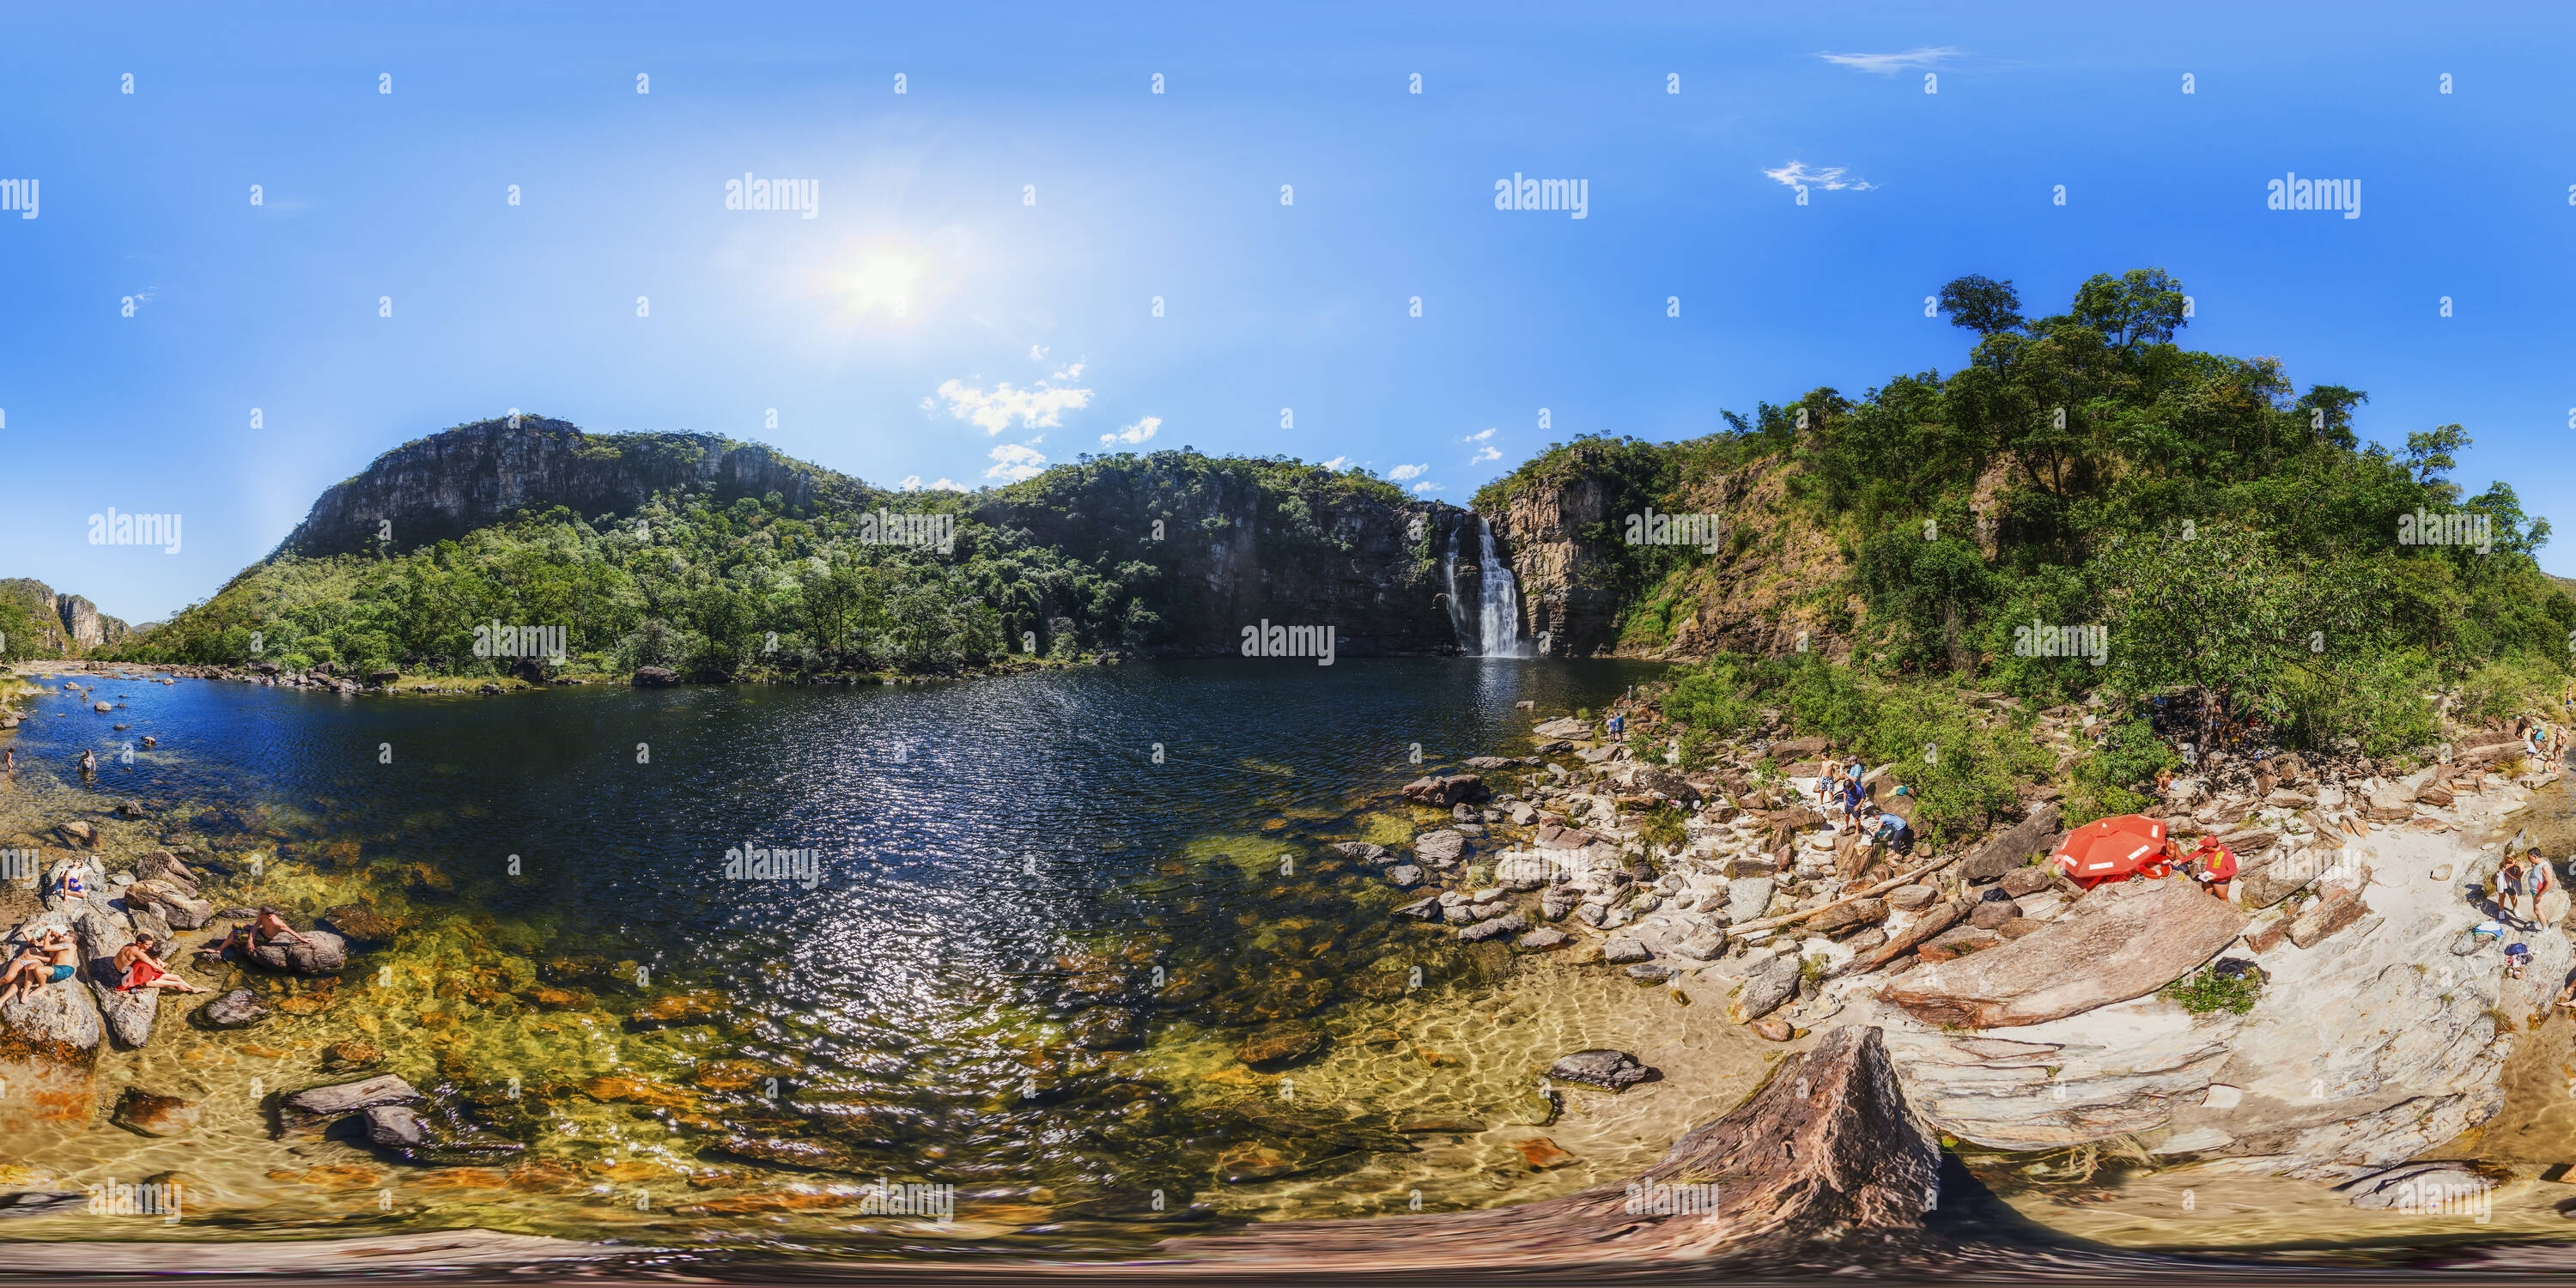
x=450, y=483
x=1217, y=544
x=64, y=625
x=1766, y=589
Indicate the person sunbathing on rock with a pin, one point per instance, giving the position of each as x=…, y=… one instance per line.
x=143, y=970
x=46, y=959
x=268, y=927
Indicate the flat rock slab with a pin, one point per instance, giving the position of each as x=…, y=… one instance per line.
x=2119, y=942
x=239, y=1008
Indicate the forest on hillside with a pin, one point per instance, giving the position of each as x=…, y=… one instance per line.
x=2240, y=545
x=1068, y=561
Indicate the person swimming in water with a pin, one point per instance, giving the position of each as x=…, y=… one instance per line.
x=89, y=762
x=46, y=959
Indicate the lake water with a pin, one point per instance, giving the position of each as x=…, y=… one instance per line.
x=1040, y=913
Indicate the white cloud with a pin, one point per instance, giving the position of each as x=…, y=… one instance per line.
x=1426, y=487
x=1136, y=433
x=1830, y=178
x=1891, y=64
x=945, y=485
x=912, y=483
x=1477, y=438
x=1013, y=462
x=1402, y=472
x=994, y=409
x=1338, y=463
x=1037, y=353
x=1484, y=454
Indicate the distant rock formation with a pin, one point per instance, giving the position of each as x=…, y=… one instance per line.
x=65, y=625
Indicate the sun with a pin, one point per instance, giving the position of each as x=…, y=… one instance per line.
x=884, y=280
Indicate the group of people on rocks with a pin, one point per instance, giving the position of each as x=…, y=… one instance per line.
x=50, y=954
x=1842, y=790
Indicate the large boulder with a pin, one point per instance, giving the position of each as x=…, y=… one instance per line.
x=2120, y=942
x=655, y=677
x=1770, y=985
x=128, y=1015
x=58, y=1021
x=324, y=954
x=1565, y=727
x=1446, y=791
x=1441, y=848
x=169, y=902
x=2013, y=847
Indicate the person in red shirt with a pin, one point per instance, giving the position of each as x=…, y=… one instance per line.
x=2214, y=866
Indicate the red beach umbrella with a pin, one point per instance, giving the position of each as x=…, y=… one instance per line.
x=2113, y=849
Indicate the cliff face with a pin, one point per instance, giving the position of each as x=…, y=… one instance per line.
x=1232, y=553
x=1219, y=548
x=1764, y=587
x=451, y=483
x=1551, y=537
x=65, y=625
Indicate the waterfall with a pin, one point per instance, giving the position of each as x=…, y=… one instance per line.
x=1459, y=623
x=1498, y=600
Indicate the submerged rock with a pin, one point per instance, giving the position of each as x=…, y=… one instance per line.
x=146, y=1114
x=1280, y=1044
x=1601, y=1067
x=239, y=1008
x=316, y=1106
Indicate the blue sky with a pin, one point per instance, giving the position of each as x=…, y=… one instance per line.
x=1037, y=317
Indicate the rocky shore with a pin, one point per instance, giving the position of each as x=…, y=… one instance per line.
x=2021, y=1012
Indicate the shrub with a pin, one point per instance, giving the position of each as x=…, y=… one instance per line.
x=1663, y=830
x=2207, y=992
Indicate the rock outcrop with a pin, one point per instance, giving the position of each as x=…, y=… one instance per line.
x=2119, y=942
x=1826, y=1154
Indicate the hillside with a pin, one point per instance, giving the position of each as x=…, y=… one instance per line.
x=2229, y=538
x=727, y=559
x=40, y=623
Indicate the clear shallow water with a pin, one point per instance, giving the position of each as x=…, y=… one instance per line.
x=1027, y=954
